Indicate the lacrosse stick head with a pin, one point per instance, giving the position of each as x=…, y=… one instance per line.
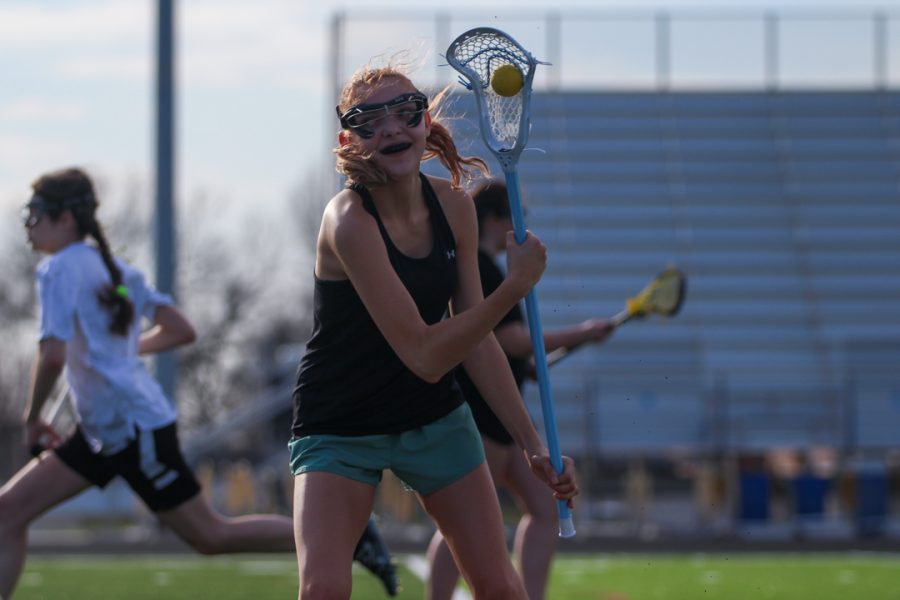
x=477, y=54
x=662, y=296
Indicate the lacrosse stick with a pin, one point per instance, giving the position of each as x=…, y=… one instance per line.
x=663, y=296
x=500, y=72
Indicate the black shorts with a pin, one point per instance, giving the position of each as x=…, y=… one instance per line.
x=487, y=422
x=152, y=465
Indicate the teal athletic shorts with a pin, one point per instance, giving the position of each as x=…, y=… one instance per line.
x=425, y=459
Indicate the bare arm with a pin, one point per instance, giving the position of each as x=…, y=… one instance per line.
x=350, y=239
x=48, y=365
x=486, y=364
x=170, y=330
x=515, y=338
x=489, y=370
x=496, y=385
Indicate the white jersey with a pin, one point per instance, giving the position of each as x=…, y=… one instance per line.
x=112, y=391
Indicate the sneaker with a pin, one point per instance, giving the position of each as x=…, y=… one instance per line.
x=373, y=554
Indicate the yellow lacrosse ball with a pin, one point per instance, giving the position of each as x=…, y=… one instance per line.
x=507, y=80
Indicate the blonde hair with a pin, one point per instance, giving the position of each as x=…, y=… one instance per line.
x=356, y=164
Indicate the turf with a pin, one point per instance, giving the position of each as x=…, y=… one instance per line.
x=728, y=577
x=599, y=577
x=178, y=578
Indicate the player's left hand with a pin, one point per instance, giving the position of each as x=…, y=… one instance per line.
x=564, y=485
x=40, y=436
x=598, y=329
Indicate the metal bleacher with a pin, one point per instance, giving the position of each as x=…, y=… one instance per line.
x=783, y=208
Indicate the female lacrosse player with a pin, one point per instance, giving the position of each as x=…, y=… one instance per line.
x=535, y=539
x=91, y=305
x=375, y=389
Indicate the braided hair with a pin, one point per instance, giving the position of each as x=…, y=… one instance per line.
x=71, y=189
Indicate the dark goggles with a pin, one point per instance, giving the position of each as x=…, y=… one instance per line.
x=363, y=119
x=38, y=206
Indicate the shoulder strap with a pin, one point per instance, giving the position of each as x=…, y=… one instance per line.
x=439, y=220
x=366, y=196
x=369, y=205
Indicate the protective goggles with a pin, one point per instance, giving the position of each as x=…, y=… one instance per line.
x=38, y=206
x=364, y=119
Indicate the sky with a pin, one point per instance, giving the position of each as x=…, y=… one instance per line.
x=254, y=115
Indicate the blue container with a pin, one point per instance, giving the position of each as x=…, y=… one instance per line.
x=753, y=504
x=871, y=502
x=809, y=496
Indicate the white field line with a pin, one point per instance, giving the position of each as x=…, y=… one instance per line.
x=419, y=566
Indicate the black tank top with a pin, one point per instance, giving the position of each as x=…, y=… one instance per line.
x=488, y=423
x=350, y=381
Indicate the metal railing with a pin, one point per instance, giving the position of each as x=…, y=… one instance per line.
x=650, y=49
x=640, y=49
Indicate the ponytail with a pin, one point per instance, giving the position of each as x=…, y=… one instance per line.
x=72, y=189
x=115, y=295
x=440, y=145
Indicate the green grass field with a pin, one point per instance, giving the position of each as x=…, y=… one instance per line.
x=597, y=577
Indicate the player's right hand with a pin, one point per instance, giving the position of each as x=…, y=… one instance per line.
x=564, y=485
x=525, y=262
